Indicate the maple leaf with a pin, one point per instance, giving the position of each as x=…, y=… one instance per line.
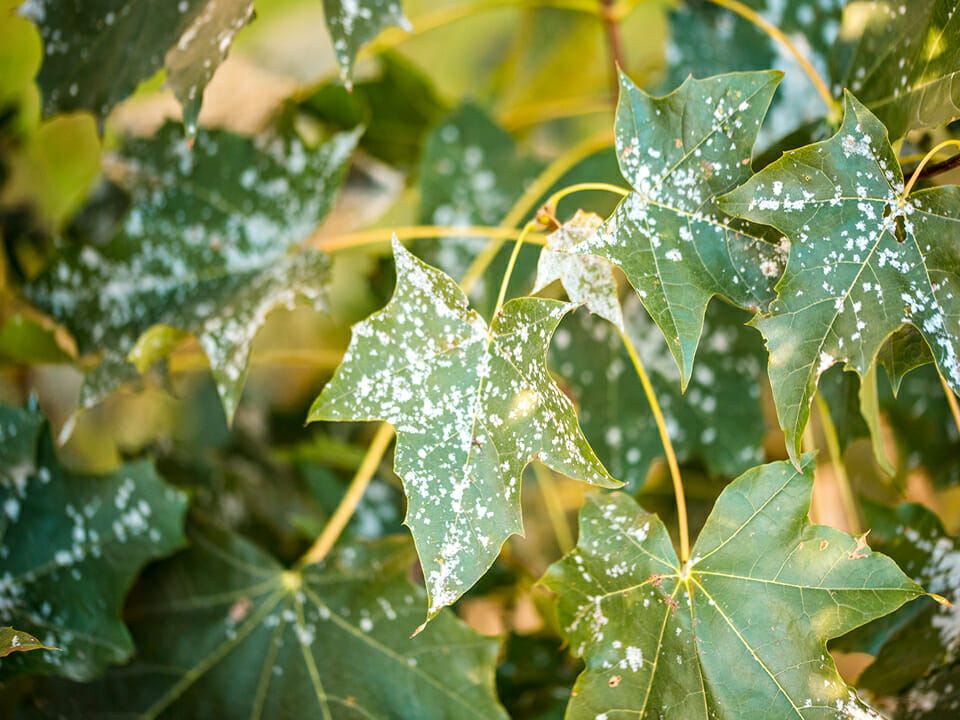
x=472, y=406
x=864, y=261
x=677, y=248
x=740, y=630
x=587, y=280
x=306, y=642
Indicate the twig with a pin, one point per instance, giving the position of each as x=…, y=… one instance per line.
x=612, y=27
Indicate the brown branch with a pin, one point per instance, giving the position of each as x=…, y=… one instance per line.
x=940, y=167
x=612, y=26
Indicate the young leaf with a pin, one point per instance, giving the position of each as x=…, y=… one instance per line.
x=676, y=247
x=863, y=261
x=706, y=39
x=902, y=60
x=97, y=52
x=71, y=546
x=216, y=275
x=222, y=626
x=587, y=280
x=741, y=630
x=719, y=419
x=12, y=641
x=353, y=23
x=472, y=406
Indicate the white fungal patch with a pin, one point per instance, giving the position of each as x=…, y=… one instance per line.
x=483, y=406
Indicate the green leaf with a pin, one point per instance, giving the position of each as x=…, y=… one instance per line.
x=706, y=39
x=924, y=429
x=676, y=247
x=353, y=23
x=902, y=60
x=471, y=174
x=223, y=629
x=70, y=548
x=923, y=636
x=472, y=406
x=587, y=280
x=740, y=631
x=863, y=261
x=97, y=52
x=719, y=418
x=903, y=351
x=12, y=641
x=204, y=249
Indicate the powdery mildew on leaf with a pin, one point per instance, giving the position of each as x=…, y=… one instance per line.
x=863, y=261
x=902, y=59
x=677, y=248
x=587, y=280
x=471, y=174
x=353, y=23
x=70, y=547
x=472, y=406
x=923, y=637
x=204, y=249
x=718, y=419
x=738, y=632
x=223, y=626
x=96, y=52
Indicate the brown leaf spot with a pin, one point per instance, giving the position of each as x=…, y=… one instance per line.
x=823, y=545
x=614, y=680
x=855, y=554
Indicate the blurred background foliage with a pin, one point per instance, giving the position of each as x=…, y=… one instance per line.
x=527, y=80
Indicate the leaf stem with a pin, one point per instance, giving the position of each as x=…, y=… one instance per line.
x=926, y=158
x=551, y=174
x=412, y=232
x=952, y=400
x=847, y=499
x=667, y=446
x=348, y=505
x=774, y=32
x=506, y=275
x=551, y=501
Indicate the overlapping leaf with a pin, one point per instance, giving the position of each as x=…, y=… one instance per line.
x=353, y=23
x=740, y=631
x=472, y=406
x=902, y=60
x=719, y=418
x=95, y=53
x=677, y=248
x=863, y=261
x=13, y=640
x=587, y=280
x=222, y=630
x=204, y=249
x=923, y=636
x=70, y=548
x=706, y=39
